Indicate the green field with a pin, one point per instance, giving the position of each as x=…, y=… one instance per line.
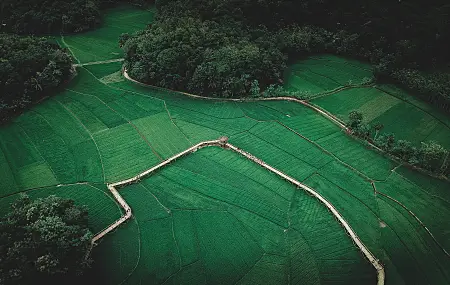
x=214, y=217
x=401, y=114
x=188, y=216
x=103, y=44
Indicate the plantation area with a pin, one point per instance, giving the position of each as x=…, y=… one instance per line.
x=214, y=217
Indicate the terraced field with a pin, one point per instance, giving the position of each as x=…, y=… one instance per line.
x=214, y=217
x=400, y=113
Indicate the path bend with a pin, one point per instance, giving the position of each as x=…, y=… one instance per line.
x=224, y=144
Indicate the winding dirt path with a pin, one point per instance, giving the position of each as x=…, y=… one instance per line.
x=324, y=113
x=306, y=103
x=99, y=62
x=224, y=144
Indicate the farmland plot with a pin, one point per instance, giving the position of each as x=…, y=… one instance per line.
x=219, y=223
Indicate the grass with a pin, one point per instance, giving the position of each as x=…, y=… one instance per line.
x=214, y=217
x=102, y=43
x=401, y=114
x=189, y=215
x=324, y=73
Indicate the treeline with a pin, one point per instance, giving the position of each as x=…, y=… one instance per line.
x=30, y=68
x=402, y=39
x=430, y=155
x=44, y=17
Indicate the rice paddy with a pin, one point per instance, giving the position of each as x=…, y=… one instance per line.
x=400, y=113
x=214, y=217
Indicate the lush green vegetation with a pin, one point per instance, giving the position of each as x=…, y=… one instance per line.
x=195, y=225
x=183, y=52
x=44, y=241
x=430, y=155
x=234, y=48
x=30, y=68
x=101, y=43
x=188, y=216
x=49, y=16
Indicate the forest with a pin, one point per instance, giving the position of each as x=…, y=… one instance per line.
x=236, y=48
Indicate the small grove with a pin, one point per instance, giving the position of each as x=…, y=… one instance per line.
x=235, y=48
x=46, y=240
x=429, y=155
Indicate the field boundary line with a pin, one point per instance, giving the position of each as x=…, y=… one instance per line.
x=306, y=103
x=331, y=117
x=372, y=259
x=223, y=143
x=89, y=133
x=123, y=203
x=70, y=50
x=414, y=216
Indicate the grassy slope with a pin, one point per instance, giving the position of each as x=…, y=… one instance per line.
x=99, y=133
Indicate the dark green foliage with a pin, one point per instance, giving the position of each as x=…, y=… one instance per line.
x=43, y=17
x=433, y=87
x=355, y=119
x=44, y=240
x=30, y=68
x=398, y=37
x=430, y=156
x=203, y=57
x=49, y=16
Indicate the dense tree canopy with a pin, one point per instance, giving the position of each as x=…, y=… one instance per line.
x=30, y=68
x=203, y=57
x=40, y=17
x=49, y=16
x=190, y=44
x=45, y=241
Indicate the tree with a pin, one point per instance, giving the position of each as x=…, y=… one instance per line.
x=377, y=127
x=405, y=150
x=386, y=142
x=123, y=38
x=44, y=241
x=433, y=156
x=355, y=119
x=403, y=39
x=255, y=90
